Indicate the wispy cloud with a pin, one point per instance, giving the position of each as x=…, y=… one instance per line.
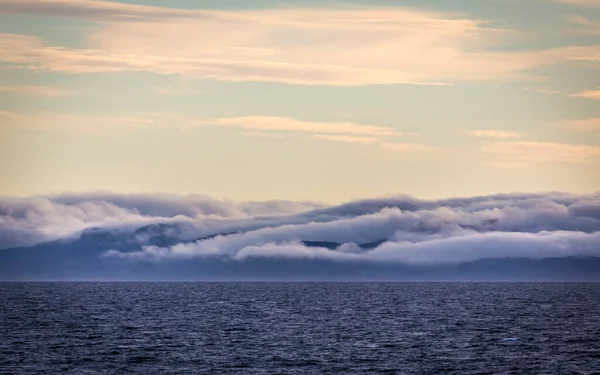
x=34, y=90
x=176, y=91
x=345, y=132
x=491, y=134
x=100, y=10
x=590, y=125
x=545, y=90
x=589, y=94
x=346, y=138
x=71, y=122
x=522, y=152
x=255, y=126
x=406, y=146
x=344, y=46
x=586, y=25
x=590, y=3
x=291, y=124
x=509, y=164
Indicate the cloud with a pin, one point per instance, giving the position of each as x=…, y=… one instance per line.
x=540, y=152
x=26, y=221
x=345, y=132
x=98, y=10
x=544, y=90
x=289, y=124
x=590, y=125
x=89, y=124
x=590, y=94
x=491, y=134
x=590, y=3
x=424, y=232
x=252, y=124
x=490, y=245
x=406, y=146
x=445, y=250
x=586, y=25
x=34, y=90
x=175, y=91
x=342, y=46
x=257, y=126
x=346, y=138
x=401, y=229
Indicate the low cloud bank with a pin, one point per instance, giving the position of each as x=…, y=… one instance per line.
x=30, y=220
x=395, y=229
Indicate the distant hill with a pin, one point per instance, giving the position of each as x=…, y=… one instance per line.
x=81, y=259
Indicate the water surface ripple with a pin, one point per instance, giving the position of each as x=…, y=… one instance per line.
x=300, y=328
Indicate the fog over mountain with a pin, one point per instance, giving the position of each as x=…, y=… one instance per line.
x=103, y=236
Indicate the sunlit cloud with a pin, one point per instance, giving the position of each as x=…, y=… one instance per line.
x=290, y=124
x=347, y=132
x=406, y=146
x=491, y=134
x=344, y=46
x=545, y=90
x=176, y=91
x=346, y=138
x=71, y=122
x=509, y=164
x=522, y=152
x=592, y=3
x=253, y=126
x=586, y=25
x=590, y=125
x=34, y=90
x=589, y=94
x=344, y=132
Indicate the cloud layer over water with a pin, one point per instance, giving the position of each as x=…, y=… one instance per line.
x=396, y=229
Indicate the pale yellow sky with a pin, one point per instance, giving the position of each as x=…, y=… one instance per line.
x=325, y=102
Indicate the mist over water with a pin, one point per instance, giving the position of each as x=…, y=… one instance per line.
x=300, y=328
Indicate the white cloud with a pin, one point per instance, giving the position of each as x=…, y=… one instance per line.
x=490, y=245
x=415, y=231
x=24, y=221
x=449, y=250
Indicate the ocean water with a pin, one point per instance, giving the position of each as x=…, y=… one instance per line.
x=300, y=328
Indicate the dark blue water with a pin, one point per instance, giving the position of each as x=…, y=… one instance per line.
x=299, y=328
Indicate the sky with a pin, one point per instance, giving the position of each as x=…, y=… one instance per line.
x=324, y=101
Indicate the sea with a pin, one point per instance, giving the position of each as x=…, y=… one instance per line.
x=299, y=328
